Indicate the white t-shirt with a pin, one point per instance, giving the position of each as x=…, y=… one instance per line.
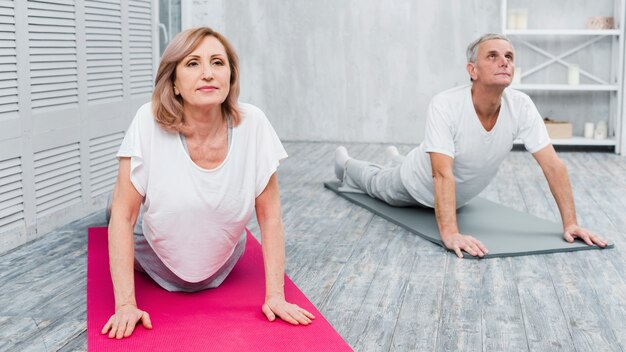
x=194, y=217
x=453, y=129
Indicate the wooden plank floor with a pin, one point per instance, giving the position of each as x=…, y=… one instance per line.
x=381, y=287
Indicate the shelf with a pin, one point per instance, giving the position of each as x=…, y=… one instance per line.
x=529, y=32
x=566, y=87
x=580, y=141
x=561, y=47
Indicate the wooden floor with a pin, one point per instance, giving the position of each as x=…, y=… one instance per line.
x=381, y=287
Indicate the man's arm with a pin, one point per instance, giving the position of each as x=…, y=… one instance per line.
x=445, y=208
x=556, y=174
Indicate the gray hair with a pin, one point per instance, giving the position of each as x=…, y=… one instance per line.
x=472, y=49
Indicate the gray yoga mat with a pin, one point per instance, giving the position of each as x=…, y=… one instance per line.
x=504, y=231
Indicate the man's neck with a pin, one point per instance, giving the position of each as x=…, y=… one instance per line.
x=487, y=101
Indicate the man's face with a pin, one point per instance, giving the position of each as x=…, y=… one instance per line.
x=494, y=64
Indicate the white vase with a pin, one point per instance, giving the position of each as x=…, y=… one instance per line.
x=601, y=130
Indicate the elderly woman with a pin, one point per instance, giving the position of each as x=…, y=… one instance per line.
x=199, y=163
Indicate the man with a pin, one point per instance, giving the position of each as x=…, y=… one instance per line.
x=469, y=132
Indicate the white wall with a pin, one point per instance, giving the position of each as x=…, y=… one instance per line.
x=365, y=70
x=348, y=70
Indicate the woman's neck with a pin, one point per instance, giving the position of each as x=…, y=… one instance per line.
x=203, y=123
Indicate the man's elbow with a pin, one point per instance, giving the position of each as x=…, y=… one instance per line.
x=555, y=167
x=442, y=175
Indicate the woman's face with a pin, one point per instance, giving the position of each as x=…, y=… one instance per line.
x=203, y=76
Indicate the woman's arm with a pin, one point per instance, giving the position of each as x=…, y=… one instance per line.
x=272, y=237
x=124, y=212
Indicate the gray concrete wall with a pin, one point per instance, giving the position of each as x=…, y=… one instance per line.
x=365, y=70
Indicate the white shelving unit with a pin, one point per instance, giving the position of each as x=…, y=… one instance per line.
x=567, y=87
x=613, y=87
x=588, y=32
x=580, y=141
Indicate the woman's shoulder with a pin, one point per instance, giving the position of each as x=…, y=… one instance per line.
x=144, y=117
x=249, y=110
x=251, y=115
x=145, y=112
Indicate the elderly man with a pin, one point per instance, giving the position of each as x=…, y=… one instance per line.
x=469, y=131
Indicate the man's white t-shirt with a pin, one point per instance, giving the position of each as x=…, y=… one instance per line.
x=453, y=129
x=194, y=217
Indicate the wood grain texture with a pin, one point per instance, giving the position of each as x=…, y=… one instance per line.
x=502, y=323
x=382, y=288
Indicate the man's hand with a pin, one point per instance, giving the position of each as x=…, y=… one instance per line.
x=469, y=244
x=574, y=231
x=122, y=323
x=291, y=313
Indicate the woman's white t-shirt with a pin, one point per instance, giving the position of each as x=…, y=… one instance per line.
x=194, y=217
x=453, y=129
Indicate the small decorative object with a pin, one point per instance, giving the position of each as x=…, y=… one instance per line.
x=517, y=75
x=511, y=19
x=558, y=129
x=517, y=18
x=589, y=129
x=522, y=18
x=573, y=75
x=601, y=130
x=600, y=22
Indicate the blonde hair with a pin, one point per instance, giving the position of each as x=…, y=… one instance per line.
x=167, y=107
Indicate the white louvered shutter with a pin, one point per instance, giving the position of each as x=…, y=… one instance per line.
x=103, y=30
x=140, y=29
x=11, y=194
x=8, y=62
x=53, y=63
x=72, y=75
x=57, y=178
x=103, y=163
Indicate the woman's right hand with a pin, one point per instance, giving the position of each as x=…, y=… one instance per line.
x=122, y=323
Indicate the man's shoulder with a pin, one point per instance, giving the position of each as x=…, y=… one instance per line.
x=452, y=95
x=516, y=96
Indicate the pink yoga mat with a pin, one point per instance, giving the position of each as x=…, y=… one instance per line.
x=228, y=318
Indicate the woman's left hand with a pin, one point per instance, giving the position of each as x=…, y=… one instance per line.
x=291, y=313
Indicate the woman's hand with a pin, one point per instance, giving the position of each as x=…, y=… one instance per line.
x=291, y=313
x=122, y=323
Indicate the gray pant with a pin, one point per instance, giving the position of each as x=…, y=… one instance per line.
x=147, y=261
x=380, y=182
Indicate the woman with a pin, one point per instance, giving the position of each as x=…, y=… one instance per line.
x=200, y=164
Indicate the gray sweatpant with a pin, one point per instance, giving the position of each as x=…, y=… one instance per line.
x=380, y=182
x=147, y=261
